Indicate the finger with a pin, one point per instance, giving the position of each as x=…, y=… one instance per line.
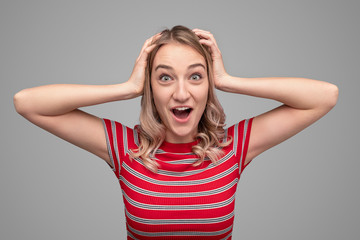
x=145, y=45
x=156, y=36
x=208, y=43
x=208, y=37
x=204, y=34
x=215, y=51
x=146, y=51
x=150, y=42
x=200, y=30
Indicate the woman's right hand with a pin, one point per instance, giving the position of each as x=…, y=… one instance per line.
x=55, y=107
x=137, y=78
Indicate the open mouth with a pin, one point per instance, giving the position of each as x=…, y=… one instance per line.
x=181, y=112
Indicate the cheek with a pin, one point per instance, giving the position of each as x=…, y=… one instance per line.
x=201, y=100
x=154, y=93
x=160, y=101
x=203, y=94
x=156, y=102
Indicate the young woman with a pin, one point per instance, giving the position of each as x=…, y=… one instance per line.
x=179, y=168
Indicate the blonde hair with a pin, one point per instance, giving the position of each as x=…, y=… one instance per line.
x=151, y=130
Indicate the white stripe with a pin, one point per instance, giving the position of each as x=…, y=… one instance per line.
x=180, y=221
x=116, y=146
x=160, y=151
x=235, y=143
x=243, y=142
x=211, y=206
x=125, y=142
x=182, y=233
x=179, y=195
x=191, y=172
x=227, y=237
x=131, y=235
x=182, y=161
x=136, y=137
x=145, y=178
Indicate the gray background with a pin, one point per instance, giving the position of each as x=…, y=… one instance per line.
x=305, y=188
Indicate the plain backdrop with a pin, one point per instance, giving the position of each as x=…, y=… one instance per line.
x=305, y=188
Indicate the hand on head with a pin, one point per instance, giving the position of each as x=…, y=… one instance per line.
x=207, y=39
x=137, y=77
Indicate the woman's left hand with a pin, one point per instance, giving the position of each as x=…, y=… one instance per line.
x=207, y=39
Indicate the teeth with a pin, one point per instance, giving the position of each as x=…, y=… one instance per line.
x=182, y=108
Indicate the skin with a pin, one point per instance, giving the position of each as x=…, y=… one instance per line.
x=304, y=101
x=179, y=79
x=55, y=107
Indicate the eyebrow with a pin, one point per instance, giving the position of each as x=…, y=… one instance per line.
x=171, y=68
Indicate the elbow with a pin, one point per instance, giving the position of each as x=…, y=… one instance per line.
x=331, y=96
x=20, y=102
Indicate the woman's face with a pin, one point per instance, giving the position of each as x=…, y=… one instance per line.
x=180, y=90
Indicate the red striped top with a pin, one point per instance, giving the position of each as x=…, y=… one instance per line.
x=180, y=201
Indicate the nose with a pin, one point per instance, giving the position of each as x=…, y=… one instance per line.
x=181, y=91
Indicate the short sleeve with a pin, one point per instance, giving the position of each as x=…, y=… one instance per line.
x=242, y=134
x=115, y=144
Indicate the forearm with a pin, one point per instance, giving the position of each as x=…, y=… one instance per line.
x=58, y=99
x=298, y=93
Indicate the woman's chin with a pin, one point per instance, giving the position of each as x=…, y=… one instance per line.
x=183, y=134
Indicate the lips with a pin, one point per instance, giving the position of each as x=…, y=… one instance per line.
x=181, y=113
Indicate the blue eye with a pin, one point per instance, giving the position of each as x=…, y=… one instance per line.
x=165, y=78
x=195, y=77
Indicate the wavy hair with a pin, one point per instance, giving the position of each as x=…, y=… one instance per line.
x=151, y=130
